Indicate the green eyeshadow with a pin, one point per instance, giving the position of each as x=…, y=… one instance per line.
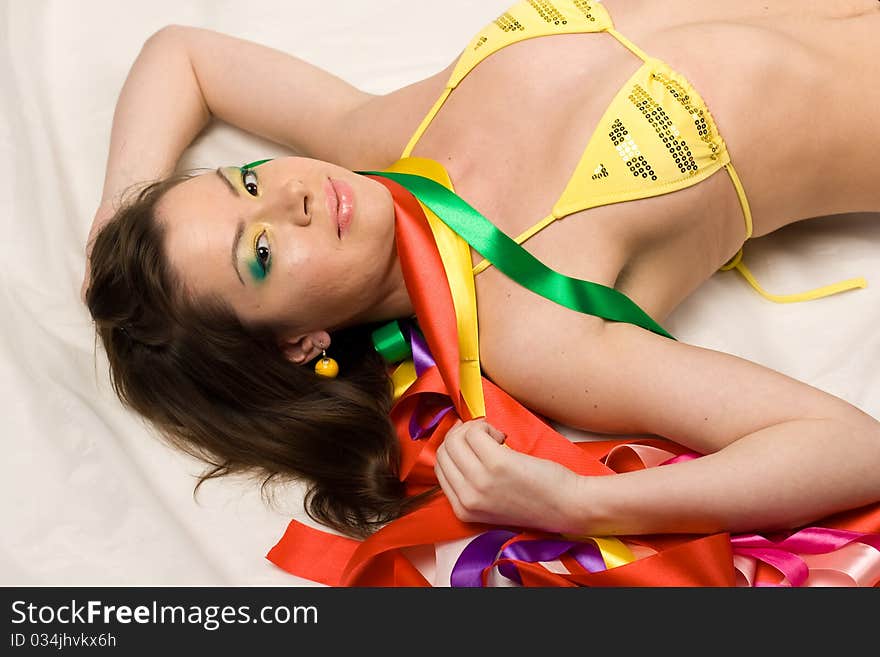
x=255, y=269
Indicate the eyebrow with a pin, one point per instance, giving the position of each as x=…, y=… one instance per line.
x=226, y=180
x=239, y=231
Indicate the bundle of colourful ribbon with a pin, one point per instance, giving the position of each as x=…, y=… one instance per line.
x=434, y=365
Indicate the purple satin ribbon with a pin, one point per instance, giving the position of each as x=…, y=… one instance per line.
x=421, y=354
x=416, y=431
x=483, y=552
x=422, y=360
x=478, y=555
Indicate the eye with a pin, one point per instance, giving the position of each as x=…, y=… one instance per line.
x=262, y=252
x=249, y=180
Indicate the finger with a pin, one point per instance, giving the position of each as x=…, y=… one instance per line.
x=458, y=450
x=497, y=434
x=454, y=476
x=444, y=471
x=456, y=430
x=493, y=431
x=484, y=446
x=453, y=429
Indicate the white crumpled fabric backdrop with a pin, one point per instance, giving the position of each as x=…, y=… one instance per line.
x=89, y=495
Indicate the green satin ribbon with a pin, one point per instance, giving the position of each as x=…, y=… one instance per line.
x=255, y=164
x=388, y=340
x=518, y=264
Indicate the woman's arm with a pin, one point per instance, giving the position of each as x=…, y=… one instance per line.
x=779, y=453
x=273, y=94
x=185, y=76
x=159, y=112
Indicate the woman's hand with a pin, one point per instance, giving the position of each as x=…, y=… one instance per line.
x=487, y=482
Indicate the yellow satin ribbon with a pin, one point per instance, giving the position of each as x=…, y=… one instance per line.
x=456, y=257
x=403, y=376
x=614, y=552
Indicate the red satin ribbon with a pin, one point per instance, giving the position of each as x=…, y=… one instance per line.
x=679, y=560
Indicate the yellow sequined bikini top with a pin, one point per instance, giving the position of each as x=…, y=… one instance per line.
x=657, y=135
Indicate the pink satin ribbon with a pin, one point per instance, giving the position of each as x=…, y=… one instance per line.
x=814, y=556
x=848, y=556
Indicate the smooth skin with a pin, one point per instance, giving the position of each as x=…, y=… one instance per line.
x=293, y=269
x=779, y=452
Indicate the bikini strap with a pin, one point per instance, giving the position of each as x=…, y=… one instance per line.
x=426, y=122
x=817, y=293
x=743, y=200
x=519, y=239
x=638, y=52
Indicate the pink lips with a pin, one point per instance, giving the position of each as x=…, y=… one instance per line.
x=340, y=203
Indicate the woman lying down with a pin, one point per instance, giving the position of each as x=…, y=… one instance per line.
x=397, y=315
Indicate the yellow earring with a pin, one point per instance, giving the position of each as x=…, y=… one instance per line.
x=326, y=366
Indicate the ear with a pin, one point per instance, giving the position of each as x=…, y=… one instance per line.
x=302, y=348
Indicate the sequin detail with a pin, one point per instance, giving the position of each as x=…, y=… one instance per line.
x=600, y=172
x=548, y=12
x=665, y=129
x=586, y=8
x=508, y=23
x=680, y=94
x=629, y=151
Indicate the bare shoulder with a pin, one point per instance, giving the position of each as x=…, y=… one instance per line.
x=622, y=379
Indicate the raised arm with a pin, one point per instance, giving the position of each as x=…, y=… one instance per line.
x=184, y=77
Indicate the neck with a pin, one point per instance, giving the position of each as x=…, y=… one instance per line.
x=392, y=302
x=395, y=302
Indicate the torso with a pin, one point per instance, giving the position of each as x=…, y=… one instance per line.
x=773, y=75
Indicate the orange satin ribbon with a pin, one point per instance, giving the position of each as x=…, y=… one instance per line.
x=672, y=560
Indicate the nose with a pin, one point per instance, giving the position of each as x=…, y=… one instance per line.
x=293, y=200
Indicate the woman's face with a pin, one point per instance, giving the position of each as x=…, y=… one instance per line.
x=301, y=244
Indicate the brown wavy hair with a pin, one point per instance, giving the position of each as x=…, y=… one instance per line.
x=227, y=395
